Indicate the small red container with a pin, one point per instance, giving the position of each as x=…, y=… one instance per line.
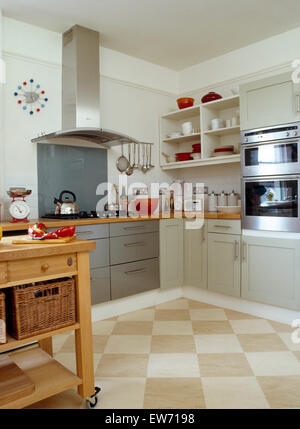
x=211, y=96
x=183, y=156
x=185, y=102
x=196, y=148
x=224, y=149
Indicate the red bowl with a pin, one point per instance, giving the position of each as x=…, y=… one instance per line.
x=183, y=156
x=185, y=102
x=224, y=149
x=211, y=96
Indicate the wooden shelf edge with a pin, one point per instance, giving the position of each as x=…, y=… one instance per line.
x=223, y=131
x=13, y=343
x=202, y=162
x=39, y=279
x=182, y=138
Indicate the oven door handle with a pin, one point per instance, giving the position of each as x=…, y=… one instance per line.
x=270, y=142
x=266, y=178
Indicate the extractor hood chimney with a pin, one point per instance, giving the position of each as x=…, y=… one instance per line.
x=81, y=92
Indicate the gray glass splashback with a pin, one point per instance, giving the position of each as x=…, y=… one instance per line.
x=76, y=169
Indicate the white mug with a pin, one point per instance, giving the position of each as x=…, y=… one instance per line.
x=234, y=121
x=228, y=123
x=187, y=128
x=217, y=123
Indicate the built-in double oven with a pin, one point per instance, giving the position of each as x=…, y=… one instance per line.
x=270, y=159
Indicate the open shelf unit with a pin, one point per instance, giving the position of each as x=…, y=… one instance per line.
x=201, y=117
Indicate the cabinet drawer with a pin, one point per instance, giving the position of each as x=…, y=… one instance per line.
x=133, y=278
x=100, y=285
x=133, y=248
x=30, y=269
x=224, y=226
x=127, y=228
x=100, y=256
x=91, y=232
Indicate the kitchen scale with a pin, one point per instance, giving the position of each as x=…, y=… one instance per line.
x=19, y=209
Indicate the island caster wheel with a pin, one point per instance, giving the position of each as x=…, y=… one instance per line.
x=92, y=401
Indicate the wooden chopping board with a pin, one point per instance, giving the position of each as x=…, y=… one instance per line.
x=14, y=383
x=52, y=241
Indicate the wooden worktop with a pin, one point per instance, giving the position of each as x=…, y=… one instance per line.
x=53, y=223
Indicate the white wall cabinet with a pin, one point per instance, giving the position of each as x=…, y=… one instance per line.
x=195, y=253
x=271, y=271
x=270, y=101
x=224, y=263
x=171, y=252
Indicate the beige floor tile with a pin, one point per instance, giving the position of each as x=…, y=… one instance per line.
x=121, y=393
x=261, y=342
x=281, y=392
x=128, y=344
x=281, y=327
x=103, y=327
x=172, y=328
x=297, y=354
x=133, y=328
x=146, y=315
x=224, y=365
x=212, y=327
x=65, y=400
x=173, y=344
x=99, y=343
x=200, y=305
x=226, y=343
x=274, y=363
x=122, y=365
x=236, y=315
x=177, y=304
x=58, y=341
x=233, y=393
x=172, y=315
x=69, y=360
x=69, y=345
x=290, y=341
x=208, y=314
x=254, y=326
x=178, y=393
x=173, y=365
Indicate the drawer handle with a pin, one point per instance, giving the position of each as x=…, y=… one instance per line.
x=236, y=249
x=70, y=261
x=203, y=233
x=142, y=270
x=134, y=227
x=45, y=267
x=138, y=243
x=222, y=226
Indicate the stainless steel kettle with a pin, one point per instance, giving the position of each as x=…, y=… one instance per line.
x=66, y=206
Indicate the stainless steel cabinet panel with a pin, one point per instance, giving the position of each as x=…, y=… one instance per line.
x=100, y=256
x=92, y=232
x=100, y=285
x=133, y=248
x=133, y=278
x=127, y=228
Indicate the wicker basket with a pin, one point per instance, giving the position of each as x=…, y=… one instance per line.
x=2, y=313
x=41, y=308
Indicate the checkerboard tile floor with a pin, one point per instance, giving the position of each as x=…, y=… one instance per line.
x=187, y=354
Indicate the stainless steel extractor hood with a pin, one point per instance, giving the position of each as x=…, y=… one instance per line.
x=81, y=93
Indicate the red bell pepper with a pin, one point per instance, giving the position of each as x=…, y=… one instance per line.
x=66, y=231
x=50, y=235
x=37, y=230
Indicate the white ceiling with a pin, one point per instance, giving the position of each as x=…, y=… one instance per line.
x=172, y=33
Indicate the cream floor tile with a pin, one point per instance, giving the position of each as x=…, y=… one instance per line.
x=178, y=393
x=146, y=315
x=274, y=363
x=69, y=360
x=177, y=304
x=133, y=328
x=58, y=341
x=128, y=344
x=121, y=393
x=103, y=327
x=172, y=315
x=69, y=345
x=122, y=365
x=290, y=341
x=233, y=393
x=172, y=328
x=173, y=344
x=212, y=327
x=281, y=392
x=208, y=314
x=236, y=315
x=173, y=365
x=99, y=343
x=261, y=342
x=226, y=343
x=200, y=305
x=224, y=365
x=253, y=326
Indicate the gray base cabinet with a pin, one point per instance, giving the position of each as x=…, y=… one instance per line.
x=195, y=255
x=100, y=285
x=271, y=271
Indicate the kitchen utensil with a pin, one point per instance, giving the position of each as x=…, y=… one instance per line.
x=150, y=150
x=144, y=167
x=65, y=205
x=185, y=102
x=122, y=162
x=187, y=128
x=229, y=209
x=139, y=156
x=212, y=202
x=217, y=123
x=135, y=165
x=232, y=199
x=211, y=96
x=129, y=170
x=223, y=199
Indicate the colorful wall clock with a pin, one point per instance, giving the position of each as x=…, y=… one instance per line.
x=31, y=97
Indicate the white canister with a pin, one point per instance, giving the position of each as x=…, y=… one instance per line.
x=217, y=123
x=228, y=123
x=187, y=128
x=212, y=202
x=232, y=199
x=235, y=121
x=223, y=199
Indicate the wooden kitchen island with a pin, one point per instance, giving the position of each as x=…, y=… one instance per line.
x=25, y=264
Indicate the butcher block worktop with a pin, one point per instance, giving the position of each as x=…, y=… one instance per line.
x=52, y=223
